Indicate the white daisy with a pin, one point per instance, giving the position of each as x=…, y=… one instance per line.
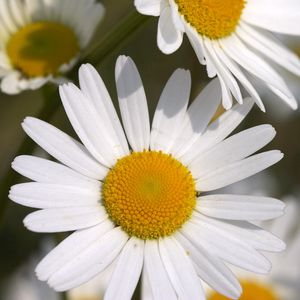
x=140, y=204
x=42, y=39
x=232, y=38
x=283, y=281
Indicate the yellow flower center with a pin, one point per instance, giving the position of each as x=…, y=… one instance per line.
x=39, y=49
x=251, y=291
x=214, y=19
x=149, y=194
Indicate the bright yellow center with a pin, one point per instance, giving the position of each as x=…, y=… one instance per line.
x=214, y=19
x=40, y=48
x=251, y=291
x=149, y=194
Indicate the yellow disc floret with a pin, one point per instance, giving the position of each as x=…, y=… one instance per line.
x=39, y=49
x=251, y=291
x=149, y=194
x=214, y=19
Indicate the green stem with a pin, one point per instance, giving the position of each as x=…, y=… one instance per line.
x=114, y=39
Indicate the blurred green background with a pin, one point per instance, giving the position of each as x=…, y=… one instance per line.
x=17, y=243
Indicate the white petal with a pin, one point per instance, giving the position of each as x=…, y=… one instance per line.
x=127, y=272
x=218, y=130
x=87, y=124
x=10, y=84
x=94, y=88
x=170, y=111
x=133, y=104
x=17, y=11
x=46, y=171
x=238, y=170
x=159, y=283
x=45, y=195
x=245, y=232
x=232, y=149
x=279, y=16
x=197, y=117
x=238, y=207
x=223, y=72
x=180, y=270
x=256, y=65
x=238, y=73
x=63, y=148
x=225, y=246
x=6, y=17
x=169, y=38
x=70, y=248
x=195, y=40
x=269, y=46
x=211, y=269
x=90, y=262
x=65, y=219
x=148, y=7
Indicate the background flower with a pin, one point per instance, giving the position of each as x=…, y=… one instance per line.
x=41, y=40
x=231, y=39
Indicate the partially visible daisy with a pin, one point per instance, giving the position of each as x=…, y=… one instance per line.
x=41, y=40
x=232, y=38
x=283, y=283
x=140, y=204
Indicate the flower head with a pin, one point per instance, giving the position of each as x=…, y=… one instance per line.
x=140, y=204
x=41, y=40
x=232, y=38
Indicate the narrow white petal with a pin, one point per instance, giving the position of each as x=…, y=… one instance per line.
x=94, y=88
x=246, y=232
x=17, y=11
x=45, y=195
x=127, y=271
x=63, y=148
x=238, y=170
x=232, y=149
x=146, y=292
x=211, y=269
x=195, y=40
x=238, y=73
x=225, y=246
x=133, y=104
x=90, y=262
x=180, y=270
x=238, y=207
x=65, y=219
x=218, y=130
x=256, y=65
x=87, y=124
x=197, y=117
x=6, y=17
x=148, y=7
x=269, y=46
x=169, y=38
x=70, y=248
x=47, y=171
x=223, y=72
x=170, y=111
x=159, y=283
x=281, y=18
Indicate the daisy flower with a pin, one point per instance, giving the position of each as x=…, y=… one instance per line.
x=232, y=38
x=40, y=40
x=136, y=198
x=283, y=281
